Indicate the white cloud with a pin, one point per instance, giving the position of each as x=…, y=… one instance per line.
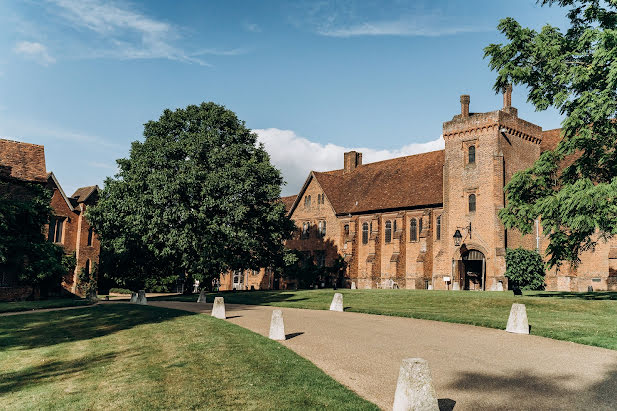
x=252, y=27
x=105, y=166
x=296, y=156
x=124, y=32
x=218, y=52
x=34, y=51
x=396, y=28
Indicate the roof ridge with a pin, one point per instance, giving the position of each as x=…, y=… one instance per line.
x=383, y=161
x=20, y=142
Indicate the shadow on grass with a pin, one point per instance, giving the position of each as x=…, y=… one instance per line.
x=50, y=328
x=51, y=372
x=526, y=390
x=239, y=297
x=596, y=295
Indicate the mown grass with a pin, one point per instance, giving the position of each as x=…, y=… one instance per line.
x=120, y=356
x=15, y=306
x=585, y=318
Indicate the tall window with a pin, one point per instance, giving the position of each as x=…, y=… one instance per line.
x=305, y=230
x=320, y=257
x=388, y=231
x=395, y=226
x=346, y=229
x=438, y=228
x=472, y=154
x=90, y=233
x=56, y=225
x=419, y=225
x=413, y=230
x=322, y=228
x=364, y=233
x=87, y=267
x=472, y=203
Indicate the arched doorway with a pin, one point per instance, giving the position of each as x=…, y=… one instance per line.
x=473, y=271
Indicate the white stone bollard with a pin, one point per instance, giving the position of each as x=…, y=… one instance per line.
x=337, y=302
x=353, y=285
x=456, y=286
x=499, y=286
x=414, y=388
x=141, y=298
x=218, y=309
x=517, y=322
x=133, y=298
x=277, y=327
x=202, y=297
x=430, y=287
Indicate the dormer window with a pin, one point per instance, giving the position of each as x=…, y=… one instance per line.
x=471, y=152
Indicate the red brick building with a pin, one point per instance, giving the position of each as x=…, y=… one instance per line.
x=25, y=163
x=394, y=221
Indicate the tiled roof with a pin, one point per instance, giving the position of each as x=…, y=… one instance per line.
x=82, y=193
x=550, y=139
x=404, y=182
x=288, y=201
x=26, y=161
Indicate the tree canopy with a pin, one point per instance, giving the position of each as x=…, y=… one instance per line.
x=572, y=188
x=198, y=196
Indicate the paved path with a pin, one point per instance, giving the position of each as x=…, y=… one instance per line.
x=477, y=368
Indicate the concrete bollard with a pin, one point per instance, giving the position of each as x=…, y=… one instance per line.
x=337, y=302
x=141, y=298
x=218, y=309
x=430, y=287
x=414, y=388
x=277, y=327
x=499, y=286
x=353, y=285
x=456, y=286
x=202, y=297
x=517, y=322
x=133, y=298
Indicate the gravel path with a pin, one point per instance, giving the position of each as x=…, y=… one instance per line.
x=472, y=367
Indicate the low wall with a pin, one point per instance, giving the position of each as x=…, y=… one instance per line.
x=16, y=293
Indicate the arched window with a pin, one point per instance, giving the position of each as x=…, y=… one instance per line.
x=90, y=233
x=305, y=230
x=346, y=229
x=438, y=228
x=472, y=154
x=413, y=230
x=472, y=203
x=364, y=233
x=388, y=231
x=322, y=228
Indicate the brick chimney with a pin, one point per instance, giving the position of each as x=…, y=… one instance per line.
x=352, y=159
x=465, y=105
x=507, y=96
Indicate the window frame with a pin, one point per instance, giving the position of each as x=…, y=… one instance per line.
x=413, y=229
x=388, y=232
x=365, y=233
x=471, y=154
x=472, y=196
x=438, y=227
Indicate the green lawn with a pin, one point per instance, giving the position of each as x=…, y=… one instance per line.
x=14, y=306
x=585, y=318
x=120, y=356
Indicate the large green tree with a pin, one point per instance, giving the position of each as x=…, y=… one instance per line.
x=198, y=196
x=573, y=188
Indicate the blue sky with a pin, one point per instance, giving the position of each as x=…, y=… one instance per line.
x=313, y=79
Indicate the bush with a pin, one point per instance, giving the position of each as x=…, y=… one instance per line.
x=120, y=291
x=524, y=269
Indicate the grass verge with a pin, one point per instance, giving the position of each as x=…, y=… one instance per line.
x=585, y=318
x=120, y=356
x=15, y=306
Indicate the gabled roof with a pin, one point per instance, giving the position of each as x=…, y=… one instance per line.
x=51, y=177
x=288, y=202
x=83, y=193
x=24, y=161
x=399, y=183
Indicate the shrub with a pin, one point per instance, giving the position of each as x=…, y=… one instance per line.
x=524, y=269
x=120, y=291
